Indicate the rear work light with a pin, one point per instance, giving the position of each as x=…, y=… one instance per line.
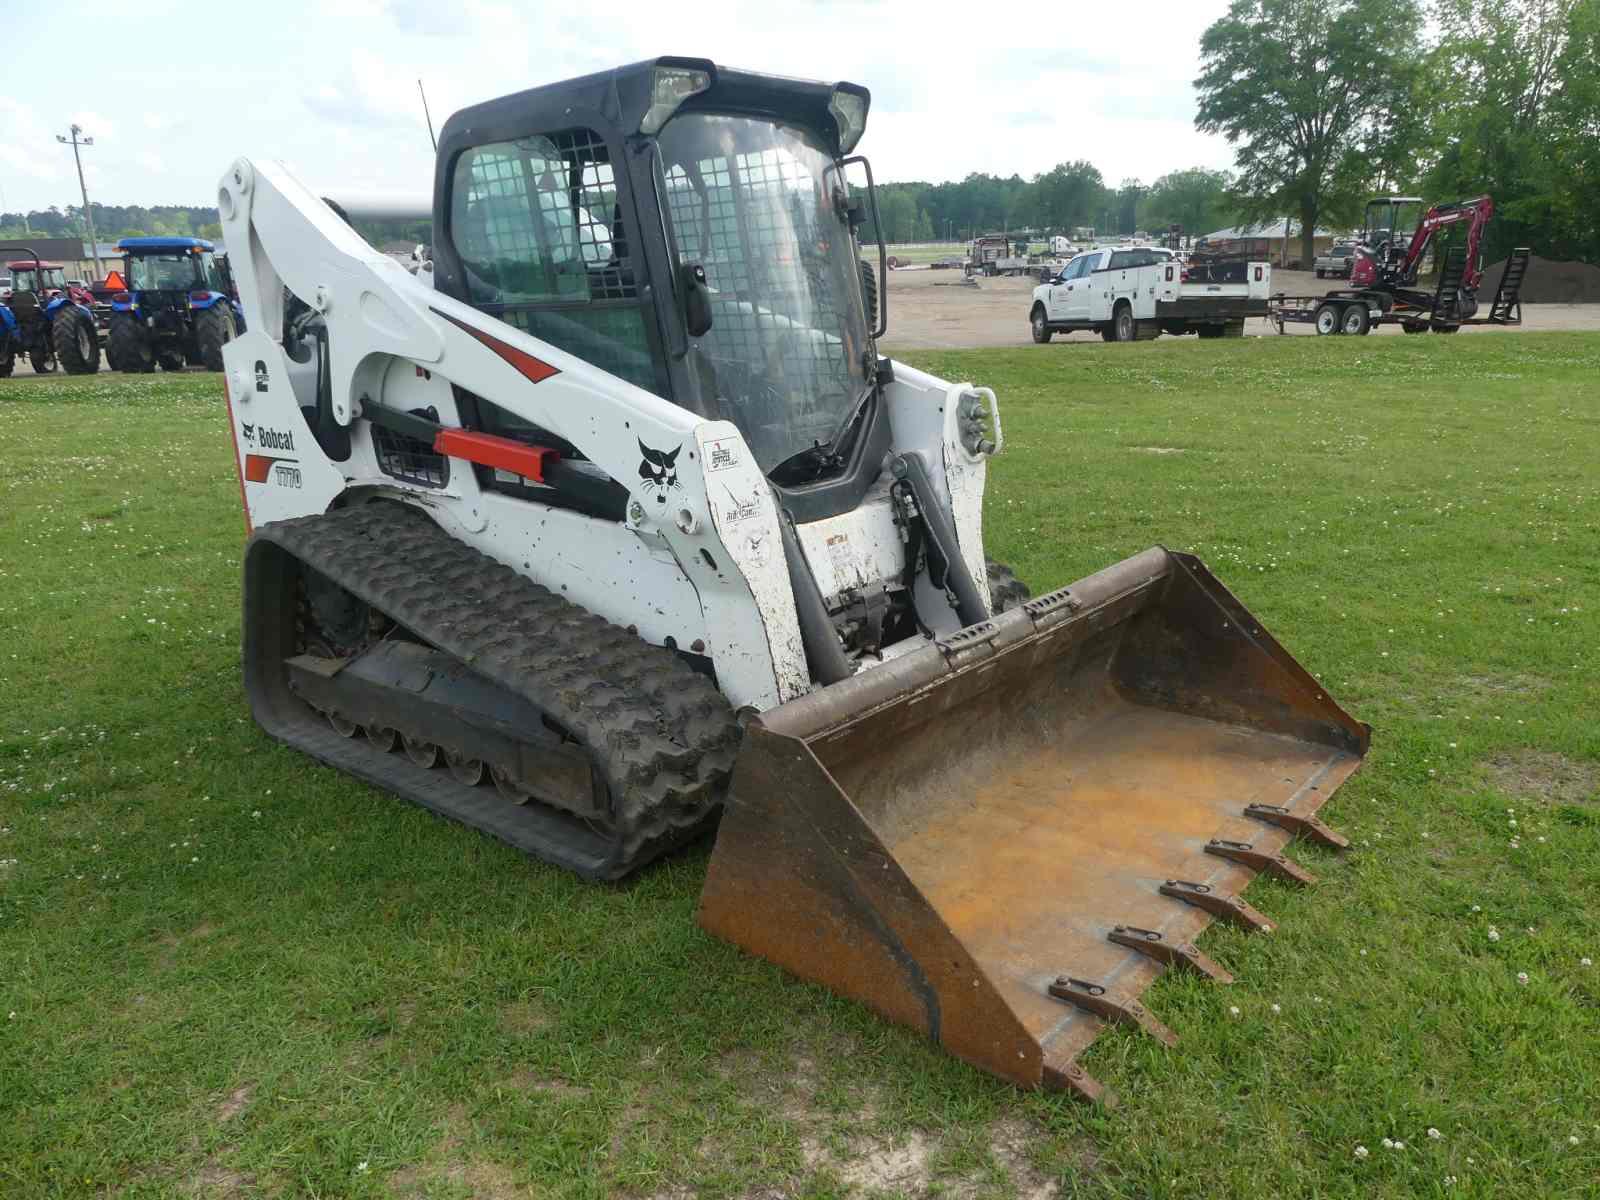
x=1258, y=274
x=1169, y=274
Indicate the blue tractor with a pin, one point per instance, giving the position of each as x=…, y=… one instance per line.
x=178, y=309
x=47, y=320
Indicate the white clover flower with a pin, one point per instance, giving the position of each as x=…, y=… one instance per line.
x=1276, y=1009
x=1572, y=1139
x=1361, y=1151
x=1233, y=1010
x=361, y=1167
x=1586, y=961
x=1434, y=1134
x=1449, y=1181
x=1387, y=1144
x=1476, y=908
x=1494, y=934
x=1522, y=977
x=1399, y=1145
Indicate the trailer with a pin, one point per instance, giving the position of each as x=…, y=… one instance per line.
x=1358, y=310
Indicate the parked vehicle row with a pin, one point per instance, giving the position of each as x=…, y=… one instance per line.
x=172, y=305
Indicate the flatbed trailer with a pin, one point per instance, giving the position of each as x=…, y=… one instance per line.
x=1356, y=311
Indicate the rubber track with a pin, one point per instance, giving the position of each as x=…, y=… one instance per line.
x=662, y=736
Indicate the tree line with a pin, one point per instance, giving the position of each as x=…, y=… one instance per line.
x=1068, y=196
x=1328, y=102
x=113, y=221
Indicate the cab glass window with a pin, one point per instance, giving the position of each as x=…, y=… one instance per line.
x=539, y=228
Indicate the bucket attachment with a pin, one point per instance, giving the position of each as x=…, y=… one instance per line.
x=1002, y=838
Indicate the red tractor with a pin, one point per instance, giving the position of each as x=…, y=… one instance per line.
x=1383, y=281
x=47, y=319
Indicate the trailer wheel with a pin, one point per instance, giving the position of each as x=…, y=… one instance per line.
x=1328, y=319
x=1413, y=327
x=1355, y=320
x=1122, y=326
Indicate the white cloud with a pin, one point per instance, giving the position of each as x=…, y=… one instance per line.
x=332, y=85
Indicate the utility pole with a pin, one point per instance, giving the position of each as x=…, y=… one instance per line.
x=74, y=141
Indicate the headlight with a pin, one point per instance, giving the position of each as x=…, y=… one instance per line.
x=849, y=111
x=671, y=87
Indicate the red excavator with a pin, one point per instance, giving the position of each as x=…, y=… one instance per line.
x=1383, y=280
x=1387, y=260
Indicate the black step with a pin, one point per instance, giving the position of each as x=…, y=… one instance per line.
x=1507, y=306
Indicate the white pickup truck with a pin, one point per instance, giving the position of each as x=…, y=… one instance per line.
x=1133, y=293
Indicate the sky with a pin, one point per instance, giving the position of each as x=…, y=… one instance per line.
x=329, y=86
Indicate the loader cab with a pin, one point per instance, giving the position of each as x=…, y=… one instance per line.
x=1387, y=228
x=174, y=266
x=689, y=229
x=41, y=279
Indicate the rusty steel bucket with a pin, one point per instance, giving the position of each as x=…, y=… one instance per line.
x=1001, y=839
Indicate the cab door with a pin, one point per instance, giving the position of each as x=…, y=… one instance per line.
x=1061, y=290
x=1079, y=299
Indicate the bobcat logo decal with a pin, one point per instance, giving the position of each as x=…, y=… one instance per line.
x=659, y=469
x=249, y=432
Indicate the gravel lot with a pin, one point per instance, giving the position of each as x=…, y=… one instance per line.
x=934, y=310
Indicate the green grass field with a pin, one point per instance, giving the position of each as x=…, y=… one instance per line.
x=225, y=971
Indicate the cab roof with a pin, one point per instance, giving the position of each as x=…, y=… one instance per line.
x=623, y=94
x=164, y=243
x=30, y=264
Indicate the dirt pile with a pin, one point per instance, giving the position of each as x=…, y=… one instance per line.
x=1550, y=282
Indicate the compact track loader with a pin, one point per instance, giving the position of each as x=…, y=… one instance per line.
x=620, y=521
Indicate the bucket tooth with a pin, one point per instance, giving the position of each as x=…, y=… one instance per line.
x=1218, y=904
x=1260, y=860
x=1093, y=997
x=1073, y=1078
x=1185, y=955
x=1307, y=827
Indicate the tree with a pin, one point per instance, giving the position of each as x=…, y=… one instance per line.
x=1197, y=199
x=1068, y=194
x=1519, y=118
x=1304, y=89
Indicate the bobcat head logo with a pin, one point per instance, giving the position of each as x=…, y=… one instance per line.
x=249, y=433
x=659, y=469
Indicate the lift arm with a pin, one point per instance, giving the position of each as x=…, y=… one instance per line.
x=1441, y=216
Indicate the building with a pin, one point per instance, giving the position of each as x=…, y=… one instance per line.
x=71, y=253
x=1277, y=242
